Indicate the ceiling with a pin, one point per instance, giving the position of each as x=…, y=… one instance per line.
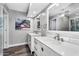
x=22, y=7
x=32, y=8
x=36, y=8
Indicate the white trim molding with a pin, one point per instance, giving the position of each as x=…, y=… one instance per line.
x=17, y=44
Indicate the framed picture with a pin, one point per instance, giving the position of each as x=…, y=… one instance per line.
x=21, y=24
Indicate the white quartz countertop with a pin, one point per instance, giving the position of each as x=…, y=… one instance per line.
x=34, y=34
x=62, y=48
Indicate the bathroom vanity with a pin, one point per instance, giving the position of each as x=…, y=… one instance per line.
x=45, y=46
x=42, y=49
x=60, y=23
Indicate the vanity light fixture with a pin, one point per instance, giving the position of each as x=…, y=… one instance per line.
x=30, y=4
x=53, y=5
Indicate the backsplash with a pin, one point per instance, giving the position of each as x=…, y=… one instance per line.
x=74, y=35
x=70, y=37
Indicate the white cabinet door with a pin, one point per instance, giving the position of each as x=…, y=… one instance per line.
x=48, y=51
x=43, y=50
x=5, y=32
x=37, y=48
x=32, y=43
x=29, y=41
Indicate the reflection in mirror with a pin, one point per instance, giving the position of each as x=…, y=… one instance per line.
x=74, y=24
x=52, y=22
x=64, y=17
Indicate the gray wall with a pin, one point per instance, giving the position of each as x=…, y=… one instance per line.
x=16, y=36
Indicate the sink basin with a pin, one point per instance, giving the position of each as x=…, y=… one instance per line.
x=71, y=40
x=70, y=49
x=50, y=40
x=66, y=48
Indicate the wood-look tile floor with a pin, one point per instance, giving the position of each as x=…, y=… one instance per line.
x=17, y=51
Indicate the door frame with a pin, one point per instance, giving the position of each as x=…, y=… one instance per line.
x=7, y=28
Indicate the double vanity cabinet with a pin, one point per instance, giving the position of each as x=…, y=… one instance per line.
x=49, y=46
x=46, y=46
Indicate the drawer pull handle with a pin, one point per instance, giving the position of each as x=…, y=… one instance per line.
x=42, y=49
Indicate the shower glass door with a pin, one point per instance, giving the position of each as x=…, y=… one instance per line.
x=1, y=32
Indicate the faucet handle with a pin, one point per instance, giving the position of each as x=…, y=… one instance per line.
x=54, y=37
x=62, y=40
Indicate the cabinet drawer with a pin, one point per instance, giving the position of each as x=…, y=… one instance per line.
x=48, y=51
x=43, y=50
x=37, y=47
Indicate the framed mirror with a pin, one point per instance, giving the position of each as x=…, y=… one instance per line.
x=64, y=17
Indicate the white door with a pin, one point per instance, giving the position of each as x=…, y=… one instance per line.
x=5, y=32
x=1, y=32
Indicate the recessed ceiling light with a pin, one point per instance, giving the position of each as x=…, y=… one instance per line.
x=30, y=4
x=34, y=12
x=57, y=4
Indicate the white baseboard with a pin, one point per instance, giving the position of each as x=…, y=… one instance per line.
x=17, y=44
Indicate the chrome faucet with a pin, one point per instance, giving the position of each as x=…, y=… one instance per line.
x=57, y=37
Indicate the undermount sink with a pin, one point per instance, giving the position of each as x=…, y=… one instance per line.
x=70, y=49
x=52, y=41
x=71, y=40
